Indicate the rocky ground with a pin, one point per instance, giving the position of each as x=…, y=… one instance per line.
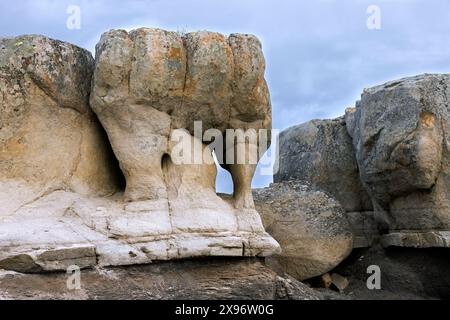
x=405, y=274
x=218, y=278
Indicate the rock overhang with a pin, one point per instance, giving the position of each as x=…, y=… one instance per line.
x=78, y=213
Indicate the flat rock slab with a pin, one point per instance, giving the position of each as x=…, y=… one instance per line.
x=430, y=239
x=65, y=229
x=213, y=278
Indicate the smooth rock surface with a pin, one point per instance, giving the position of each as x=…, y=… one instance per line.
x=310, y=226
x=66, y=229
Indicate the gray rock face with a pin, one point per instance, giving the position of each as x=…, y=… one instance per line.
x=320, y=152
x=364, y=227
x=400, y=134
x=310, y=226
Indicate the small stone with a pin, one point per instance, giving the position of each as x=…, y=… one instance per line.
x=339, y=282
x=325, y=280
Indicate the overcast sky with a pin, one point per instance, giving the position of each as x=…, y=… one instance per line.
x=320, y=54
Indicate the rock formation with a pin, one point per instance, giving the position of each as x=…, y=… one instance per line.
x=401, y=142
x=160, y=81
x=60, y=179
x=309, y=225
x=399, y=131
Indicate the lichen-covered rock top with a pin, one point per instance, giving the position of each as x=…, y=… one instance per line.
x=61, y=70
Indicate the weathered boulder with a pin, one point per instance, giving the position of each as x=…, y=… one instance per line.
x=50, y=139
x=400, y=133
x=320, y=153
x=310, y=226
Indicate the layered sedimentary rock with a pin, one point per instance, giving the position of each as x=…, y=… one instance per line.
x=310, y=226
x=320, y=153
x=148, y=86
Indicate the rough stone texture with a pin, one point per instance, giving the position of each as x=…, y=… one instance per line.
x=400, y=133
x=58, y=174
x=364, y=227
x=310, y=226
x=50, y=140
x=160, y=81
x=213, y=279
x=320, y=152
x=428, y=239
x=150, y=83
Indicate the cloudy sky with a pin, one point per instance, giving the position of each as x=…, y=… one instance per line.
x=320, y=53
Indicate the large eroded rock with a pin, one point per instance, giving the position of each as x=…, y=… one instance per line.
x=310, y=226
x=58, y=175
x=159, y=81
x=320, y=153
x=50, y=139
x=400, y=133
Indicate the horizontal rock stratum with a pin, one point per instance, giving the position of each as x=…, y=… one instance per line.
x=62, y=195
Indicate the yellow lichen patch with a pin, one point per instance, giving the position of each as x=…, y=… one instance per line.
x=427, y=120
x=175, y=54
